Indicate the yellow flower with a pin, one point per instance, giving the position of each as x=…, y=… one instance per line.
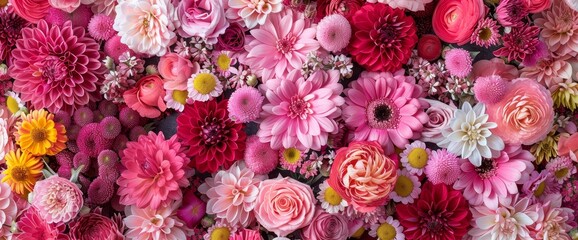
x=566, y=95
x=40, y=135
x=547, y=148
x=22, y=172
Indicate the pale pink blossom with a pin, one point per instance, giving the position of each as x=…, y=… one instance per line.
x=411, y=5
x=202, y=18
x=57, y=199
x=65, y=5
x=161, y=224
x=253, y=12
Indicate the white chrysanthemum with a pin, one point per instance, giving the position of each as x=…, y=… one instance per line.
x=146, y=26
x=469, y=135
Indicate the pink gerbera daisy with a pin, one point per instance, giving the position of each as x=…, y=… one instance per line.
x=301, y=112
x=495, y=178
x=284, y=39
x=385, y=107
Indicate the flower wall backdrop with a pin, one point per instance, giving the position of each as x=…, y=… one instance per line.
x=288, y=119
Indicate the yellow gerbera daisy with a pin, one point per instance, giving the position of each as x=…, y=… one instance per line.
x=22, y=172
x=40, y=135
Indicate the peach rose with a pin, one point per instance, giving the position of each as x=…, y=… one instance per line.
x=525, y=115
x=494, y=66
x=363, y=175
x=568, y=145
x=536, y=6
x=65, y=5
x=284, y=205
x=454, y=20
x=147, y=97
x=175, y=70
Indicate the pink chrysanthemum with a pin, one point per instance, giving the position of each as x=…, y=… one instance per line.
x=442, y=167
x=554, y=221
x=284, y=39
x=155, y=172
x=562, y=168
x=391, y=114
x=61, y=65
x=486, y=34
x=57, y=17
x=548, y=71
x=100, y=27
x=458, y=62
x=232, y=194
x=245, y=104
x=260, y=157
x=110, y=127
x=301, y=112
x=495, y=179
x=559, y=27
x=114, y=48
x=81, y=159
x=246, y=234
x=57, y=200
x=490, y=90
x=83, y=116
x=148, y=223
x=510, y=13
x=100, y=191
x=334, y=32
x=539, y=185
x=519, y=43
x=11, y=25
x=33, y=226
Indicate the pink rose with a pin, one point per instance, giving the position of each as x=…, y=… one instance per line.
x=284, y=205
x=429, y=47
x=31, y=10
x=524, y=115
x=65, y=5
x=536, y=6
x=202, y=18
x=494, y=66
x=147, y=97
x=439, y=115
x=94, y=226
x=326, y=226
x=175, y=70
x=363, y=175
x=568, y=145
x=454, y=20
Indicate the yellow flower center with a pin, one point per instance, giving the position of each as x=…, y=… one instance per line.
x=221, y=233
x=561, y=173
x=332, y=197
x=403, y=186
x=180, y=96
x=12, y=105
x=3, y=3
x=205, y=83
x=19, y=173
x=292, y=155
x=386, y=232
x=223, y=62
x=540, y=190
x=417, y=158
x=358, y=233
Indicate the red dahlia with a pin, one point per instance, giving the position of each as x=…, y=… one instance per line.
x=384, y=37
x=439, y=213
x=213, y=139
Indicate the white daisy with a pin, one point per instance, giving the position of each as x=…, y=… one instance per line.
x=415, y=156
x=176, y=99
x=387, y=229
x=407, y=187
x=204, y=86
x=330, y=199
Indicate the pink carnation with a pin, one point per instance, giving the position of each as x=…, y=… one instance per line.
x=155, y=172
x=58, y=200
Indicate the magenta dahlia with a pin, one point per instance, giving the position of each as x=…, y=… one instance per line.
x=155, y=172
x=11, y=25
x=301, y=112
x=214, y=140
x=520, y=43
x=384, y=37
x=385, y=107
x=57, y=68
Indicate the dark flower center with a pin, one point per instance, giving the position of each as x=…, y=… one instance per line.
x=213, y=131
x=487, y=169
x=485, y=34
x=387, y=33
x=383, y=114
x=19, y=173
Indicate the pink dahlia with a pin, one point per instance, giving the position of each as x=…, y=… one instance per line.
x=58, y=200
x=548, y=71
x=301, y=112
x=284, y=39
x=32, y=226
x=57, y=68
x=391, y=113
x=554, y=221
x=11, y=25
x=559, y=27
x=253, y=13
x=510, y=219
x=214, y=140
x=510, y=13
x=8, y=209
x=148, y=223
x=384, y=37
x=155, y=172
x=520, y=43
x=232, y=194
x=495, y=178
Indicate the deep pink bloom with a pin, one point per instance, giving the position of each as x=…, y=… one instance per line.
x=246, y=234
x=458, y=62
x=147, y=97
x=93, y=226
x=31, y=10
x=245, y=104
x=521, y=42
x=57, y=68
x=511, y=12
x=58, y=200
x=385, y=107
x=32, y=226
x=155, y=172
x=192, y=210
x=11, y=25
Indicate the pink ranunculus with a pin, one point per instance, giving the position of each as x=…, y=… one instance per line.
x=147, y=97
x=568, y=145
x=363, y=175
x=494, y=66
x=439, y=115
x=536, y=6
x=65, y=5
x=326, y=226
x=93, y=226
x=233, y=39
x=284, y=205
x=454, y=20
x=202, y=18
x=175, y=70
x=31, y=10
x=525, y=114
